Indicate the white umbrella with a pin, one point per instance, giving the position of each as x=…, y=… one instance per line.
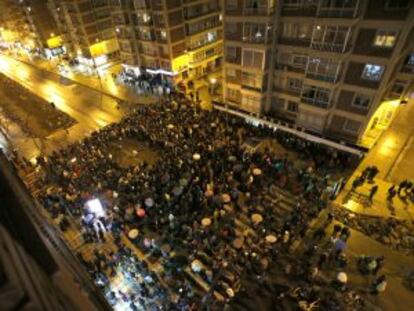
x=257, y=172
x=132, y=234
x=342, y=277
x=225, y=198
x=170, y=126
x=257, y=218
x=206, y=222
x=271, y=239
x=149, y=202
x=196, y=156
x=196, y=265
x=230, y=292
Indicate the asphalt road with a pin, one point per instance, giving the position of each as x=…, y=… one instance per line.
x=88, y=107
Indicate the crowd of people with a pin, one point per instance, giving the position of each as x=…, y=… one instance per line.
x=206, y=209
x=145, y=83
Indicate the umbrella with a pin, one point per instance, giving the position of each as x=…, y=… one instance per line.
x=196, y=156
x=149, y=202
x=141, y=213
x=196, y=265
x=132, y=234
x=257, y=172
x=342, y=277
x=177, y=191
x=232, y=158
x=206, y=222
x=238, y=243
x=230, y=292
x=228, y=208
x=271, y=239
x=115, y=194
x=170, y=126
x=257, y=218
x=340, y=245
x=213, y=124
x=225, y=198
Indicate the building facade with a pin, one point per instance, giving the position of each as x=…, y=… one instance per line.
x=15, y=29
x=180, y=39
x=87, y=30
x=331, y=67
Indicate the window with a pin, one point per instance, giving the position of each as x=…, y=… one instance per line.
x=324, y=69
x=398, y=87
x=252, y=58
x=385, y=39
x=231, y=4
x=351, y=126
x=316, y=96
x=233, y=94
x=251, y=103
x=231, y=73
x=254, y=32
x=361, y=101
x=296, y=31
x=231, y=54
x=292, y=106
x=252, y=80
x=299, y=61
x=372, y=72
x=397, y=4
x=410, y=60
x=294, y=84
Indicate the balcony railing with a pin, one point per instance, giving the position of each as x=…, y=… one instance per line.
x=322, y=77
x=337, y=12
x=257, y=11
x=289, y=67
x=329, y=47
x=315, y=102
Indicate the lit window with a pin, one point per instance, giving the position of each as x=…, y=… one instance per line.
x=385, y=39
x=361, y=101
x=372, y=72
x=163, y=34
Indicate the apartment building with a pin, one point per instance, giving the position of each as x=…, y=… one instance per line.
x=331, y=66
x=15, y=29
x=180, y=39
x=87, y=30
x=43, y=27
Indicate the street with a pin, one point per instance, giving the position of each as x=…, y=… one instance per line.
x=88, y=107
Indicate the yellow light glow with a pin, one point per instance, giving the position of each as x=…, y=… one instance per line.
x=180, y=63
x=387, y=146
x=379, y=122
x=103, y=47
x=54, y=42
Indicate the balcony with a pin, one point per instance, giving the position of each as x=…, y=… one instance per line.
x=330, y=47
x=322, y=77
x=289, y=67
x=257, y=11
x=337, y=12
x=299, y=11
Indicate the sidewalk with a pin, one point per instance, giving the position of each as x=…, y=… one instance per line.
x=358, y=202
x=109, y=86
x=397, y=266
